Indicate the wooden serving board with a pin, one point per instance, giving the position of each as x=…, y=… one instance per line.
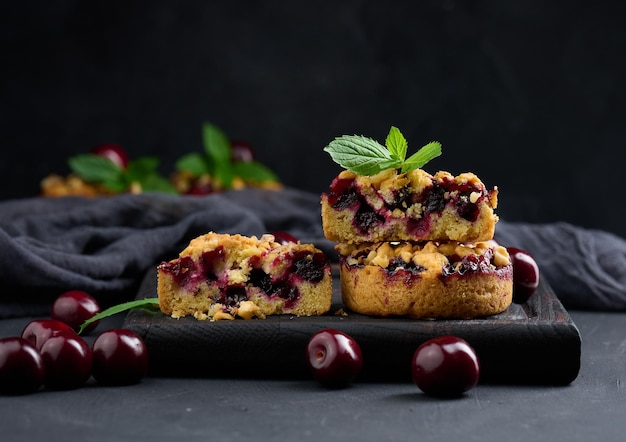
x=533, y=343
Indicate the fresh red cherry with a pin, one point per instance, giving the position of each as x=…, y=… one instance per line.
x=22, y=368
x=39, y=331
x=240, y=151
x=74, y=308
x=334, y=358
x=68, y=361
x=120, y=357
x=201, y=188
x=113, y=152
x=282, y=237
x=525, y=274
x=446, y=366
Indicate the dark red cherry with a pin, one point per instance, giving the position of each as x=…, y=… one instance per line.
x=120, y=357
x=68, y=361
x=113, y=152
x=446, y=366
x=240, y=151
x=525, y=274
x=39, y=331
x=334, y=358
x=74, y=308
x=201, y=188
x=282, y=237
x=21, y=366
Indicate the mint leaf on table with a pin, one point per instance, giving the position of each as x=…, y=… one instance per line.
x=195, y=163
x=152, y=303
x=100, y=170
x=217, y=148
x=216, y=161
x=365, y=156
x=95, y=169
x=254, y=171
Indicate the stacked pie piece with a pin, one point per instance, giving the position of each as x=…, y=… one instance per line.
x=417, y=245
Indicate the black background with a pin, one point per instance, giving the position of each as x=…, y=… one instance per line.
x=527, y=94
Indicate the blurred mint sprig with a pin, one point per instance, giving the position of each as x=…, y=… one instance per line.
x=141, y=171
x=216, y=161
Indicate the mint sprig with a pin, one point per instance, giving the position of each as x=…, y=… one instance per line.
x=119, y=308
x=96, y=169
x=365, y=156
x=215, y=161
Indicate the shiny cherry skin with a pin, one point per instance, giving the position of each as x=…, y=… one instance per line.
x=39, y=331
x=334, y=358
x=22, y=369
x=446, y=366
x=113, y=152
x=74, y=308
x=283, y=237
x=242, y=152
x=525, y=274
x=120, y=357
x=68, y=361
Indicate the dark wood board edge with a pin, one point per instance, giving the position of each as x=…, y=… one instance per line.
x=534, y=343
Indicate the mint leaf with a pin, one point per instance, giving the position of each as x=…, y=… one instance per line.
x=95, y=169
x=396, y=143
x=217, y=148
x=195, y=163
x=358, y=154
x=156, y=183
x=148, y=303
x=422, y=156
x=253, y=171
x=365, y=156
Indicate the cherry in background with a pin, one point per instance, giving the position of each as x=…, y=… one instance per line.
x=113, y=152
x=446, y=366
x=240, y=151
x=283, y=237
x=525, y=274
x=75, y=307
x=38, y=331
x=22, y=368
x=334, y=358
x=120, y=357
x=68, y=361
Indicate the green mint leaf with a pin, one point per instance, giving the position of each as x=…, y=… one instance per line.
x=254, y=171
x=96, y=169
x=358, y=154
x=156, y=183
x=218, y=151
x=365, y=156
x=194, y=163
x=422, y=156
x=146, y=303
x=396, y=143
x=141, y=167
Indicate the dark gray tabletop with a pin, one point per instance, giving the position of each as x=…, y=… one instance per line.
x=187, y=409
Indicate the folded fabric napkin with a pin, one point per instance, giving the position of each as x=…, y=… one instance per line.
x=105, y=245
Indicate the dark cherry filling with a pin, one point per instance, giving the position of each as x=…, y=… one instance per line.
x=310, y=269
x=182, y=270
x=342, y=193
x=466, y=209
x=366, y=218
x=433, y=200
x=210, y=263
x=232, y=296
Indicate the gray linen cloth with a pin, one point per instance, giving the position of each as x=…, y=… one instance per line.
x=105, y=245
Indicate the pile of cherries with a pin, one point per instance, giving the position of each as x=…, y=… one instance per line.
x=444, y=366
x=51, y=353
